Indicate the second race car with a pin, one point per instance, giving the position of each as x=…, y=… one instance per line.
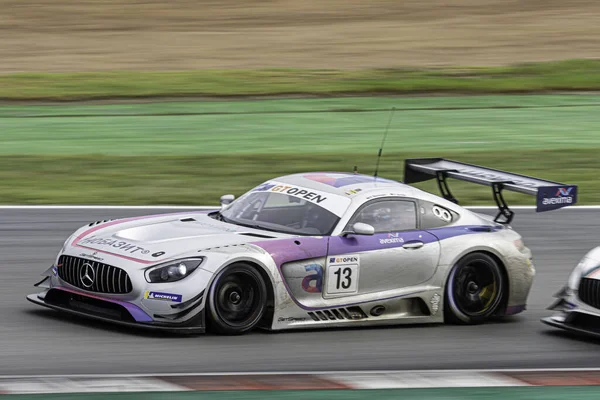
x=578, y=304
x=308, y=250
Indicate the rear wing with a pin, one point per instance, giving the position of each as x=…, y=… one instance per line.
x=550, y=195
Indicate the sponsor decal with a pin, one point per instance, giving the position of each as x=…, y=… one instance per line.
x=442, y=213
x=290, y=319
x=564, y=192
x=93, y=256
x=494, y=176
x=563, y=195
x=435, y=303
x=343, y=274
x=353, y=191
x=299, y=192
x=335, y=203
x=340, y=180
x=391, y=238
x=313, y=283
x=553, y=197
x=264, y=187
x=162, y=296
x=373, y=196
x=338, y=260
x=122, y=245
x=54, y=271
x=158, y=254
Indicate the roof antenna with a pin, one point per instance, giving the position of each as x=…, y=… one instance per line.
x=383, y=141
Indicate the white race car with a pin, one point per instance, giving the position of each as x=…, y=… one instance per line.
x=304, y=251
x=578, y=304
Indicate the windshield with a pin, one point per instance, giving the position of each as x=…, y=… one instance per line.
x=281, y=213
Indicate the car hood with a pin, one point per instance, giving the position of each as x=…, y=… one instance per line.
x=153, y=239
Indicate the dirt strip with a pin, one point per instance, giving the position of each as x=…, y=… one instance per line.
x=91, y=35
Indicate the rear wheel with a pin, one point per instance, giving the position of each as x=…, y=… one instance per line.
x=474, y=290
x=237, y=299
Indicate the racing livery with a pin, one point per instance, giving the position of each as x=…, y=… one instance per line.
x=308, y=250
x=578, y=304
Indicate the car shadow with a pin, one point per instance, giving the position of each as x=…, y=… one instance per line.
x=52, y=315
x=495, y=321
x=570, y=335
x=48, y=314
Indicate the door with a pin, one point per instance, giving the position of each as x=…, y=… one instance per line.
x=397, y=255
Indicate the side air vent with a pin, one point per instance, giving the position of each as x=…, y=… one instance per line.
x=332, y=314
x=187, y=220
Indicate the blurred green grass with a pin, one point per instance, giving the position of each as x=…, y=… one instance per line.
x=201, y=180
x=311, y=126
x=191, y=153
x=573, y=75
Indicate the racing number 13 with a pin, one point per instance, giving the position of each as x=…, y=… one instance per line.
x=342, y=278
x=347, y=280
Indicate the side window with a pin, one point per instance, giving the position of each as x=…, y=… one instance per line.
x=435, y=216
x=387, y=215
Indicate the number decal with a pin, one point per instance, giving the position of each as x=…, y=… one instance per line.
x=342, y=275
x=347, y=282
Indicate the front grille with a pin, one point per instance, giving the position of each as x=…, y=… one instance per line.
x=105, y=279
x=589, y=292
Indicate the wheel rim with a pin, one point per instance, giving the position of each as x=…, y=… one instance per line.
x=476, y=288
x=238, y=298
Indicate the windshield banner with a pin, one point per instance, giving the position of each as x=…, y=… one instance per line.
x=332, y=202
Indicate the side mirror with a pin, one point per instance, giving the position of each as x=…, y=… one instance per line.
x=226, y=199
x=360, y=228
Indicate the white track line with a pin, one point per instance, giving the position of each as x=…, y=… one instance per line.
x=167, y=207
x=103, y=207
x=292, y=373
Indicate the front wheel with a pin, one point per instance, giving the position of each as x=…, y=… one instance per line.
x=474, y=290
x=237, y=299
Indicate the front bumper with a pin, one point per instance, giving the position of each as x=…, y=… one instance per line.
x=573, y=316
x=81, y=305
x=576, y=322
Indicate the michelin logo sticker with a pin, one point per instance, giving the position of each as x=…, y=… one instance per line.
x=162, y=296
x=554, y=197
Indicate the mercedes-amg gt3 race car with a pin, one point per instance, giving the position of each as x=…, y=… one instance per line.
x=578, y=304
x=308, y=250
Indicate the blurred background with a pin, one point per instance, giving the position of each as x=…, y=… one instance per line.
x=180, y=101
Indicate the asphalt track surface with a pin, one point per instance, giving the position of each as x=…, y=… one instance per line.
x=35, y=340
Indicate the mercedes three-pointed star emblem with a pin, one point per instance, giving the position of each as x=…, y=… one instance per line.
x=87, y=275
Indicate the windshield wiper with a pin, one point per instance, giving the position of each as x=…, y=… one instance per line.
x=219, y=217
x=255, y=226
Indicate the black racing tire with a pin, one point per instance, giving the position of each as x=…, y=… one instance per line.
x=474, y=290
x=237, y=300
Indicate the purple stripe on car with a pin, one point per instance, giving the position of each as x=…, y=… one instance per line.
x=512, y=310
x=288, y=250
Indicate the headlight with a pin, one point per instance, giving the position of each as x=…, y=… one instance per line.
x=173, y=271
